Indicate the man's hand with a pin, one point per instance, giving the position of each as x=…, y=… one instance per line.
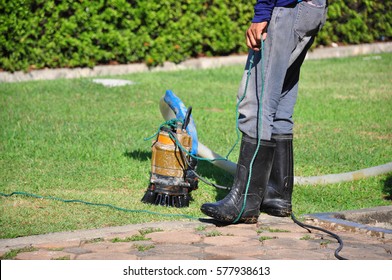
x=253, y=34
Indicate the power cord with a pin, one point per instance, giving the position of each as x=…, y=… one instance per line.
x=184, y=151
x=305, y=226
x=337, y=237
x=97, y=204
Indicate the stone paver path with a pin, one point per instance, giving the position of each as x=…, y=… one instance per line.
x=272, y=238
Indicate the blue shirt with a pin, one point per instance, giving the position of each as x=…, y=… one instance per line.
x=263, y=8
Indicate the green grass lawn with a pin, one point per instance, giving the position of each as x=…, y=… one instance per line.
x=74, y=139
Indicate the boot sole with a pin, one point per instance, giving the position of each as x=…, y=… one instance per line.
x=277, y=212
x=228, y=220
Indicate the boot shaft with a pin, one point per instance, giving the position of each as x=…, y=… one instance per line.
x=242, y=203
x=261, y=163
x=282, y=173
x=278, y=194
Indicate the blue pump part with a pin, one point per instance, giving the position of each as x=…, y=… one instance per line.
x=179, y=109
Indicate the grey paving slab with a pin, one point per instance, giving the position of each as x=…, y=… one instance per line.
x=270, y=239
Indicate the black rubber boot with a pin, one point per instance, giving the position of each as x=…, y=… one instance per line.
x=229, y=208
x=277, y=198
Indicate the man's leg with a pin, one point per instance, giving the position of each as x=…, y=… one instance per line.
x=253, y=171
x=270, y=69
x=277, y=199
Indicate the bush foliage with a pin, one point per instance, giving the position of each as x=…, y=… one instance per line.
x=35, y=34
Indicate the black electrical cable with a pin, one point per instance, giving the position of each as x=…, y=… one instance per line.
x=184, y=157
x=295, y=220
x=209, y=183
x=337, y=237
x=305, y=226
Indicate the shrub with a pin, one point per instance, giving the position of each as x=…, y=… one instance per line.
x=357, y=21
x=35, y=34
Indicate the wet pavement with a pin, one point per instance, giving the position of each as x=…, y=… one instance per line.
x=271, y=238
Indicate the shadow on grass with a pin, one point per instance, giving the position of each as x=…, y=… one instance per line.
x=138, y=155
x=219, y=176
x=388, y=187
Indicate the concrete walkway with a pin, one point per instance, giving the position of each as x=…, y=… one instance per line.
x=271, y=238
x=197, y=63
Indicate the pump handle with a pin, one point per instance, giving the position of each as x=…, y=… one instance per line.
x=187, y=118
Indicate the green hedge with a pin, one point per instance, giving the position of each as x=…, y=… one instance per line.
x=357, y=21
x=35, y=34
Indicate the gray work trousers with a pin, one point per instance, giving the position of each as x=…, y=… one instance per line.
x=291, y=32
